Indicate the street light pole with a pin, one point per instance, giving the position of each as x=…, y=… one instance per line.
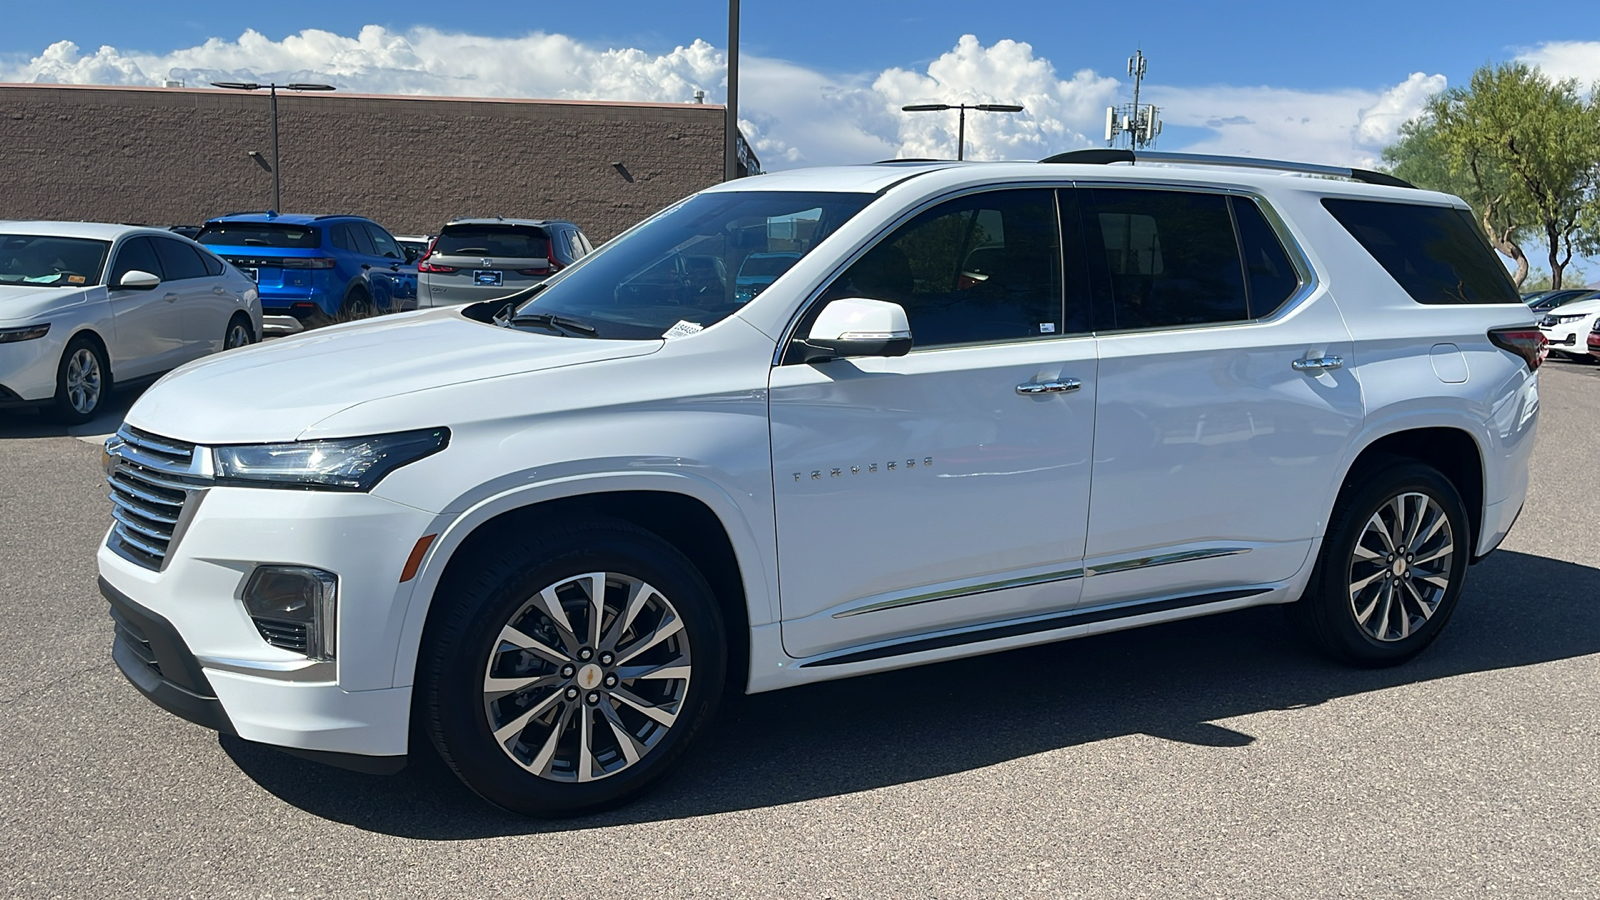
x=961, y=120
x=272, y=92
x=730, y=129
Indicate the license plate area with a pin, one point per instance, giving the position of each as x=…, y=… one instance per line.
x=250, y=272
x=488, y=277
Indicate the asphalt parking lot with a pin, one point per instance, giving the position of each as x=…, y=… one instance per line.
x=1206, y=758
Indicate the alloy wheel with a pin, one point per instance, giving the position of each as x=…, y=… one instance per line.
x=1400, y=568
x=83, y=380
x=238, y=336
x=587, y=677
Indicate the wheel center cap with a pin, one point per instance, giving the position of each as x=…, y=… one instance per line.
x=1399, y=567
x=589, y=677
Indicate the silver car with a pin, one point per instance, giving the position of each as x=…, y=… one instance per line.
x=480, y=259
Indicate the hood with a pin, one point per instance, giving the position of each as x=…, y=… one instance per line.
x=276, y=390
x=22, y=303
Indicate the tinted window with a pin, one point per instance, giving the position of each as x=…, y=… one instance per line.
x=1436, y=253
x=342, y=238
x=135, y=255
x=675, y=271
x=516, y=241
x=260, y=234
x=978, y=269
x=50, y=261
x=382, y=243
x=1270, y=278
x=1170, y=257
x=213, y=265
x=178, y=260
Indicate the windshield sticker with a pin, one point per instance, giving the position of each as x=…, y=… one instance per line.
x=76, y=279
x=683, y=329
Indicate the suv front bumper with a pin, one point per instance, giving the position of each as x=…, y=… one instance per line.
x=184, y=639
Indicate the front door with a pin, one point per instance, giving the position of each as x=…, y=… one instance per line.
x=948, y=487
x=149, y=334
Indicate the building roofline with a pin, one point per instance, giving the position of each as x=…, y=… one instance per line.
x=343, y=95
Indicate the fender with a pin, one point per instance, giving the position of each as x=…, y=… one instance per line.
x=757, y=559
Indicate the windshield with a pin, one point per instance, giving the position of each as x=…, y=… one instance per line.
x=677, y=272
x=517, y=241
x=49, y=261
x=260, y=234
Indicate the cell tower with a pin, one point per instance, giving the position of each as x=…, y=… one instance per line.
x=1133, y=125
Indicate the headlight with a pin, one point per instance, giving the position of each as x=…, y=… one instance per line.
x=25, y=333
x=1562, y=320
x=341, y=464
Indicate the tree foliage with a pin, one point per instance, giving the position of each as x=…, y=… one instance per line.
x=1524, y=150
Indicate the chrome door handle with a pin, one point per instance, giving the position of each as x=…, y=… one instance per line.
x=170, y=298
x=1061, y=386
x=1318, y=363
x=218, y=291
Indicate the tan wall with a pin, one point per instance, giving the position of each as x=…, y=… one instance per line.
x=177, y=156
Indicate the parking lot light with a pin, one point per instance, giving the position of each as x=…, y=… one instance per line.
x=961, y=127
x=277, y=197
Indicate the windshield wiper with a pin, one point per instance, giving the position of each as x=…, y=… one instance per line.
x=555, y=323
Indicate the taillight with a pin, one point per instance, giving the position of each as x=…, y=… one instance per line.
x=553, y=267
x=305, y=262
x=424, y=266
x=1527, y=343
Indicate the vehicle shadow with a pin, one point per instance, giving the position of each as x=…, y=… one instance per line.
x=38, y=423
x=1171, y=681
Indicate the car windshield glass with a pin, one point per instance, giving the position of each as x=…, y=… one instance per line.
x=260, y=234
x=50, y=261
x=513, y=241
x=677, y=272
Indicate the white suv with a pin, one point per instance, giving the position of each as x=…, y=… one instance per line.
x=985, y=406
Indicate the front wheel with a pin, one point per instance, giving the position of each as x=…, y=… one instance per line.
x=570, y=672
x=1391, y=567
x=83, y=382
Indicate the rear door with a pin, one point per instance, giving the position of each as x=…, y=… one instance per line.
x=202, y=301
x=1214, y=455
x=485, y=261
x=149, y=323
x=391, y=266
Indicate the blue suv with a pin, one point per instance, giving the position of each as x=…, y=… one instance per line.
x=310, y=270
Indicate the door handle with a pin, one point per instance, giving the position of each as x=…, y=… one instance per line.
x=1318, y=363
x=170, y=298
x=1059, y=386
x=218, y=290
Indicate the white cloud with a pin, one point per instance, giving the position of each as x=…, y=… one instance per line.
x=792, y=114
x=1566, y=59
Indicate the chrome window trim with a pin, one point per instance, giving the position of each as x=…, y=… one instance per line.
x=1310, y=281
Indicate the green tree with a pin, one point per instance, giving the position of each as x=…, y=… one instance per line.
x=1423, y=157
x=1540, y=139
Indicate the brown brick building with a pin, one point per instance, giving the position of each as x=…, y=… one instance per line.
x=165, y=156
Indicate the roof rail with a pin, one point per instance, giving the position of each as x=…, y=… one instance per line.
x=1100, y=156
x=909, y=159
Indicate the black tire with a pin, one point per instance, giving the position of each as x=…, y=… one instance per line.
x=83, y=382
x=239, y=333
x=1330, y=611
x=357, y=305
x=463, y=647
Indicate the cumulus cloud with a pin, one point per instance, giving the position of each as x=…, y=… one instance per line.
x=793, y=115
x=1566, y=59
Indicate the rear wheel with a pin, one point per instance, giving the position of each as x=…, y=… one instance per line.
x=357, y=305
x=571, y=672
x=83, y=382
x=1391, y=568
x=239, y=334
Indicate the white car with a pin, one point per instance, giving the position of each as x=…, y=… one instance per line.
x=1567, y=328
x=987, y=405
x=84, y=306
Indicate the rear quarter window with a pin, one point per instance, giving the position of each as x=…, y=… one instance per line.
x=1435, y=253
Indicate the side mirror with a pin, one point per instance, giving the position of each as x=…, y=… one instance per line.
x=856, y=326
x=136, y=280
x=412, y=254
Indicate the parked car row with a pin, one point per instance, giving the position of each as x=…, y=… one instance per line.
x=1569, y=329
x=86, y=306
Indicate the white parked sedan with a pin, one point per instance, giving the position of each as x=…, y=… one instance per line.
x=86, y=305
x=1567, y=328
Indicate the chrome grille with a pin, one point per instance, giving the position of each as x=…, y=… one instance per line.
x=151, y=479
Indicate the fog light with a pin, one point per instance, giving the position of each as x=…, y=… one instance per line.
x=296, y=608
